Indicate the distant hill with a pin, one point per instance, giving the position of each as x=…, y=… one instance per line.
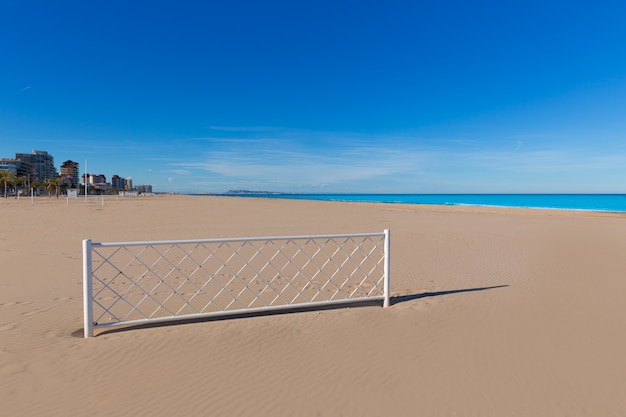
x=251, y=192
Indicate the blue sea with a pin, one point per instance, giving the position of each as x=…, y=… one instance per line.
x=586, y=202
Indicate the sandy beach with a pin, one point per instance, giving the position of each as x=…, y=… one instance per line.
x=495, y=312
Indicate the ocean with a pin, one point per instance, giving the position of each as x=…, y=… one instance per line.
x=586, y=202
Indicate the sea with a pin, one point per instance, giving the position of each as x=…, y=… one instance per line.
x=585, y=202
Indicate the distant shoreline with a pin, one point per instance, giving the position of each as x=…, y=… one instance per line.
x=610, y=203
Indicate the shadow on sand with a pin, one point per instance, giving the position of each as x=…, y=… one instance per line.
x=410, y=297
x=393, y=301
x=300, y=309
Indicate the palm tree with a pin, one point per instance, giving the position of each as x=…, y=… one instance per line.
x=49, y=183
x=36, y=185
x=17, y=181
x=57, y=184
x=6, y=178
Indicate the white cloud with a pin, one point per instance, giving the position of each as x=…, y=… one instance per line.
x=178, y=171
x=349, y=162
x=253, y=129
x=289, y=169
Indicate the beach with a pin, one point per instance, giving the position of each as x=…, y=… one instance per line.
x=494, y=312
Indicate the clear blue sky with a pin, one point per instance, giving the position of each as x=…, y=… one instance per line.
x=322, y=96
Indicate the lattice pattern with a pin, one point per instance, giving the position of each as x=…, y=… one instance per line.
x=152, y=280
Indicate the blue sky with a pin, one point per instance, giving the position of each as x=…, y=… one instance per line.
x=322, y=96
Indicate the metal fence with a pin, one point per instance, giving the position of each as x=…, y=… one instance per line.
x=130, y=283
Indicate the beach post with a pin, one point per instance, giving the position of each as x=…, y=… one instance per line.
x=87, y=290
x=386, y=286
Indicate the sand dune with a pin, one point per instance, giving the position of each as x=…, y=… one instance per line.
x=496, y=312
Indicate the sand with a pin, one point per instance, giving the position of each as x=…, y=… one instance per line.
x=496, y=312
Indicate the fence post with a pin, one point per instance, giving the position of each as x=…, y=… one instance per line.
x=386, y=269
x=87, y=290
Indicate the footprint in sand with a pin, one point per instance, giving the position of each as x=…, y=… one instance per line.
x=13, y=303
x=67, y=300
x=36, y=311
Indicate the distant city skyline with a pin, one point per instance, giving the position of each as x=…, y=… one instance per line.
x=39, y=166
x=331, y=97
x=73, y=168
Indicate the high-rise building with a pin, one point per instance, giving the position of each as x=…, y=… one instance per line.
x=118, y=183
x=144, y=188
x=93, y=179
x=8, y=165
x=69, y=170
x=18, y=169
x=42, y=164
x=98, y=179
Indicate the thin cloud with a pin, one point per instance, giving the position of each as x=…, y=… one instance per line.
x=321, y=168
x=298, y=160
x=245, y=129
x=178, y=171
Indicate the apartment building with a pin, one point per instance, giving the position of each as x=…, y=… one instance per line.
x=42, y=165
x=70, y=172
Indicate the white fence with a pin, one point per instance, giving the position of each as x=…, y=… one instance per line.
x=130, y=283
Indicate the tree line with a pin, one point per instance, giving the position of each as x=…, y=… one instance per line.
x=8, y=180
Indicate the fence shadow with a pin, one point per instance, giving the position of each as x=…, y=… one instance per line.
x=410, y=297
x=295, y=309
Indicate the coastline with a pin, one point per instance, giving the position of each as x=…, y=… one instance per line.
x=610, y=203
x=496, y=311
